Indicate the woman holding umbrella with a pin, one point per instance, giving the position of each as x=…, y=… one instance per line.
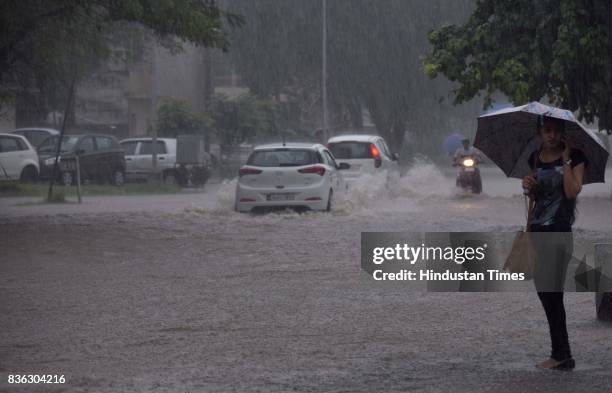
x=552, y=190
x=551, y=160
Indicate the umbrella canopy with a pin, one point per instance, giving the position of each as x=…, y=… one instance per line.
x=509, y=136
x=452, y=142
x=497, y=106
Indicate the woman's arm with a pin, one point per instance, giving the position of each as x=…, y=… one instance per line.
x=572, y=177
x=572, y=180
x=529, y=183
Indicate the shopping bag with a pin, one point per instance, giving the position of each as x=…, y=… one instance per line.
x=522, y=257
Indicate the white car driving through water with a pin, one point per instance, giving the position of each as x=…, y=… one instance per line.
x=366, y=154
x=292, y=175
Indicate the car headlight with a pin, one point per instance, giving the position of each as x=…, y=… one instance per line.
x=51, y=160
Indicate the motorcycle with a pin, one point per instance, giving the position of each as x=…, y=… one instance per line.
x=468, y=177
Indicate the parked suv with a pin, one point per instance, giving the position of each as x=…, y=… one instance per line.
x=18, y=159
x=101, y=159
x=139, y=162
x=365, y=154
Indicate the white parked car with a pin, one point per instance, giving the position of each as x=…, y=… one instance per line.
x=138, y=158
x=364, y=154
x=293, y=174
x=139, y=162
x=18, y=159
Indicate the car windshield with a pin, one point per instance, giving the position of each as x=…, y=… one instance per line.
x=49, y=145
x=350, y=150
x=282, y=157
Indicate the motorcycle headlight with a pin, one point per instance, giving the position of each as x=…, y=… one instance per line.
x=468, y=162
x=51, y=160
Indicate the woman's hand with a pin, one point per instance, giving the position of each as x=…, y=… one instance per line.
x=529, y=182
x=566, y=150
x=572, y=175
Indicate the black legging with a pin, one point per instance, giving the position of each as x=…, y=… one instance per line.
x=555, y=313
x=554, y=254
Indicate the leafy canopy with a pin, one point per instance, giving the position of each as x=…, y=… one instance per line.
x=555, y=49
x=176, y=117
x=246, y=117
x=45, y=44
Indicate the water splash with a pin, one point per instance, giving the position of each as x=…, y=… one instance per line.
x=423, y=182
x=426, y=181
x=226, y=195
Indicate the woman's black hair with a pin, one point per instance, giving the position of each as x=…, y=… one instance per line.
x=558, y=122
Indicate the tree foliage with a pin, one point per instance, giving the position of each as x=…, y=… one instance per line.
x=176, y=117
x=232, y=120
x=45, y=44
x=244, y=118
x=557, y=49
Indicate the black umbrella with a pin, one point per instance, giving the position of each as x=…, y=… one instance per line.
x=509, y=136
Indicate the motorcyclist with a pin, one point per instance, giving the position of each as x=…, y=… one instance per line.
x=466, y=150
x=460, y=154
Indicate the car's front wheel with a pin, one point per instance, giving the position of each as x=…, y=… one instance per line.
x=28, y=174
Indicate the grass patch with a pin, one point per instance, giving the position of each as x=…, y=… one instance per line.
x=17, y=189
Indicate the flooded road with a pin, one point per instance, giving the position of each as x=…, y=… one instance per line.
x=426, y=192
x=167, y=293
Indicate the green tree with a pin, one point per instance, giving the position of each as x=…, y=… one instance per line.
x=558, y=49
x=234, y=121
x=175, y=117
x=45, y=44
x=244, y=118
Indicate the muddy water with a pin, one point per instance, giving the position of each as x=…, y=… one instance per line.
x=180, y=293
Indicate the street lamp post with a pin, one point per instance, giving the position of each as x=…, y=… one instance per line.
x=324, y=73
x=153, y=113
